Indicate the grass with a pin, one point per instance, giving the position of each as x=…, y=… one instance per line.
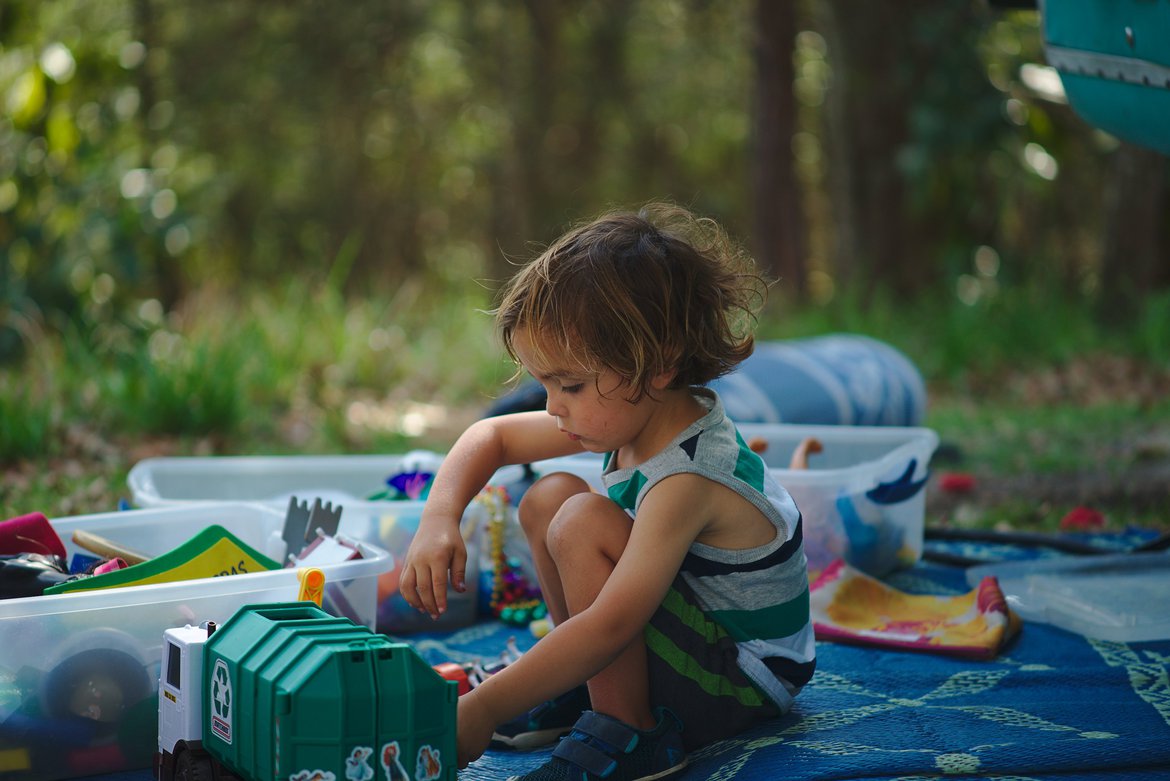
x=25, y=421
x=1007, y=438
x=1020, y=384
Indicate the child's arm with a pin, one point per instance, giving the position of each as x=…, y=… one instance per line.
x=669, y=519
x=437, y=548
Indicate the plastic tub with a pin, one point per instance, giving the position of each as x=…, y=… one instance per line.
x=348, y=480
x=159, y=482
x=79, y=671
x=1123, y=598
x=862, y=498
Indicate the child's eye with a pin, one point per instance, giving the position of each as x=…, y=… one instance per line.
x=572, y=388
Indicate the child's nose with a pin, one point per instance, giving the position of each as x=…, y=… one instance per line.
x=554, y=407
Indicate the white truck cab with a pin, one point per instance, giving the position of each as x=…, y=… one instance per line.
x=180, y=687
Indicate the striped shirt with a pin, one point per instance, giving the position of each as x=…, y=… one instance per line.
x=758, y=595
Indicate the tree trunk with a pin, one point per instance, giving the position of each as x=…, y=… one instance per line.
x=1136, y=255
x=866, y=123
x=891, y=78
x=779, y=224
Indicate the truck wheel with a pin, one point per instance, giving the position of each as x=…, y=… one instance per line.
x=194, y=765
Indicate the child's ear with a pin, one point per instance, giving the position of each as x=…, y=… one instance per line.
x=663, y=380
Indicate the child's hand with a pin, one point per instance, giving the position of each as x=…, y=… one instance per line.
x=474, y=730
x=423, y=583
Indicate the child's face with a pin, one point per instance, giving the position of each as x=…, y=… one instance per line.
x=591, y=407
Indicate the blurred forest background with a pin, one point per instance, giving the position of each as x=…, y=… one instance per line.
x=268, y=227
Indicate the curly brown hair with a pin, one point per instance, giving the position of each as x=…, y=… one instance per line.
x=640, y=294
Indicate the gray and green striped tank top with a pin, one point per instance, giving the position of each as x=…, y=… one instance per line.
x=759, y=595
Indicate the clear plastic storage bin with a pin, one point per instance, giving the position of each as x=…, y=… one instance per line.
x=79, y=671
x=348, y=480
x=159, y=482
x=862, y=498
x=1124, y=598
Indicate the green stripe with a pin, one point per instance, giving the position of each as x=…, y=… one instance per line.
x=769, y=623
x=749, y=467
x=693, y=617
x=626, y=492
x=716, y=685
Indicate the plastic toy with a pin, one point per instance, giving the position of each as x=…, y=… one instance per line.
x=455, y=672
x=409, y=486
x=514, y=599
x=30, y=533
x=312, y=587
x=212, y=552
x=301, y=523
x=286, y=691
x=95, y=543
x=79, y=711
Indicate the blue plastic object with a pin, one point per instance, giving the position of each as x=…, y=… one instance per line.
x=839, y=379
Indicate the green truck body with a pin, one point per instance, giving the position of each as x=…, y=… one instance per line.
x=290, y=693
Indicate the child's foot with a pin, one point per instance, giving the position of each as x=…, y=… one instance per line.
x=544, y=723
x=603, y=747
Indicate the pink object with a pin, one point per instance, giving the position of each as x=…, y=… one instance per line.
x=30, y=533
x=957, y=483
x=110, y=566
x=1082, y=519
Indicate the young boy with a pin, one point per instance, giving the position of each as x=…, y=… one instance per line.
x=681, y=596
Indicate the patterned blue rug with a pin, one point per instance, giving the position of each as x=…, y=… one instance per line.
x=1053, y=705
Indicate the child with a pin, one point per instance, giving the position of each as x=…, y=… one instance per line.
x=681, y=597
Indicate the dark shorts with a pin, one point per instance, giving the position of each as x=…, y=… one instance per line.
x=693, y=671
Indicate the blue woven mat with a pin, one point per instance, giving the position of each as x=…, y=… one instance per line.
x=1054, y=705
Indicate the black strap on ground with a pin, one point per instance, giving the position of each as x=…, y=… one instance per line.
x=1022, y=539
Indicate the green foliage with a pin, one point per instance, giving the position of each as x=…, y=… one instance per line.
x=26, y=420
x=272, y=226
x=183, y=391
x=1152, y=331
x=255, y=366
x=1009, y=327
x=151, y=148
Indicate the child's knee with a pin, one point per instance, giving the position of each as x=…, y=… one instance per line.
x=583, y=519
x=543, y=500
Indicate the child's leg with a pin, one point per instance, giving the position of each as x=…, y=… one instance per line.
x=536, y=511
x=582, y=540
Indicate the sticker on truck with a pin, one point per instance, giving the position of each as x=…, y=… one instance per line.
x=221, y=702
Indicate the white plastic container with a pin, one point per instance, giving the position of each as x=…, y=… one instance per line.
x=159, y=482
x=862, y=498
x=348, y=480
x=79, y=671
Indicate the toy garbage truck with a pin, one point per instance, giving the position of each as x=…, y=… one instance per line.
x=286, y=692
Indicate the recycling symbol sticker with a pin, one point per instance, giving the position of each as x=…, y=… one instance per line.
x=221, y=701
